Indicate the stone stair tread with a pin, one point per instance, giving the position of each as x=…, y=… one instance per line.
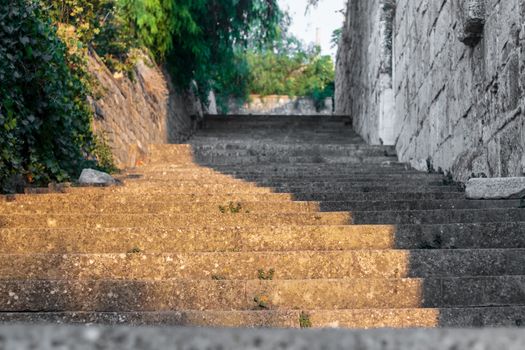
x=111, y=295
x=365, y=318
x=169, y=220
x=440, y=216
x=194, y=239
x=287, y=265
x=138, y=206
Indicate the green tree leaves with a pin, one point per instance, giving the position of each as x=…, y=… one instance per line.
x=290, y=70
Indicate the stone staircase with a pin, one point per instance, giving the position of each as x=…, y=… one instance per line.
x=265, y=221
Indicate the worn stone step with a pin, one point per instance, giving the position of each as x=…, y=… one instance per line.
x=123, y=296
x=188, y=176
x=282, y=159
x=196, y=239
x=319, y=183
x=417, y=205
x=287, y=168
x=371, y=318
x=169, y=220
x=236, y=150
x=180, y=188
x=268, y=238
x=463, y=235
x=158, y=207
x=298, y=265
x=363, y=188
x=508, y=317
x=283, y=185
x=137, y=206
x=333, y=138
x=283, y=169
x=376, y=196
x=297, y=125
x=439, y=216
x=258, y=147
x=101, y=195
x=276, y=118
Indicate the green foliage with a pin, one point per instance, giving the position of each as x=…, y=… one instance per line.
x=45, y=132
x=291, y=70
x=103, y=154
x=208, y=36
x=44, y=117
x=98, y=24
x=304, y=320
x=152, y=22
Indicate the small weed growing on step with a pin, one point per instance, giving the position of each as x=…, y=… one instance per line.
x=304, y=320
x=218, y=277
x=231, y=208
x=262, y=302
x=522, y=203
x=135, y=250
x=265, y=276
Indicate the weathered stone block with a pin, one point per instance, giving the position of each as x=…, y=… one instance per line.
x=496, y=188
x=94, y=177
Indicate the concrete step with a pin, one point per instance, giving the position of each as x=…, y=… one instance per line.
x=370, y=318
x=169, y=220
x=312, y=169
x=508, y=317
x=101, y=195
x=284, y=159
x=377, y=196
x=313, y=184
x=196, y=239
x=180, y=188
x=454, y=236
x=290, y=138
x=349, y=190
x=281, y=159
x=262, y=239
x=389, y=167
x=125, y=296
x=275, y=118
x=439, y=216
x=298, y=265
x=159, y=207
x=417, y=205
x=138, y=206
x=193, y=176
x=256, y=146
x=319, y=183
x=273, y=149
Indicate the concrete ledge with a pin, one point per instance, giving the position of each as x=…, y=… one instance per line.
x=83, y=338
x=496, y=188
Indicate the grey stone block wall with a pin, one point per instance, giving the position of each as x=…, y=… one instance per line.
x=457, y=105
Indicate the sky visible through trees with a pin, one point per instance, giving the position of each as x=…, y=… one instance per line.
x=326, y=16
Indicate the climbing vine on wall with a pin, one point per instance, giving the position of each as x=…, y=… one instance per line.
x=44, y=117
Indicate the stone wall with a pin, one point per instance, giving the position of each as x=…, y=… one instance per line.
x=133, y=113
x=279, y=105
x=364, y=69
x=457, y=77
